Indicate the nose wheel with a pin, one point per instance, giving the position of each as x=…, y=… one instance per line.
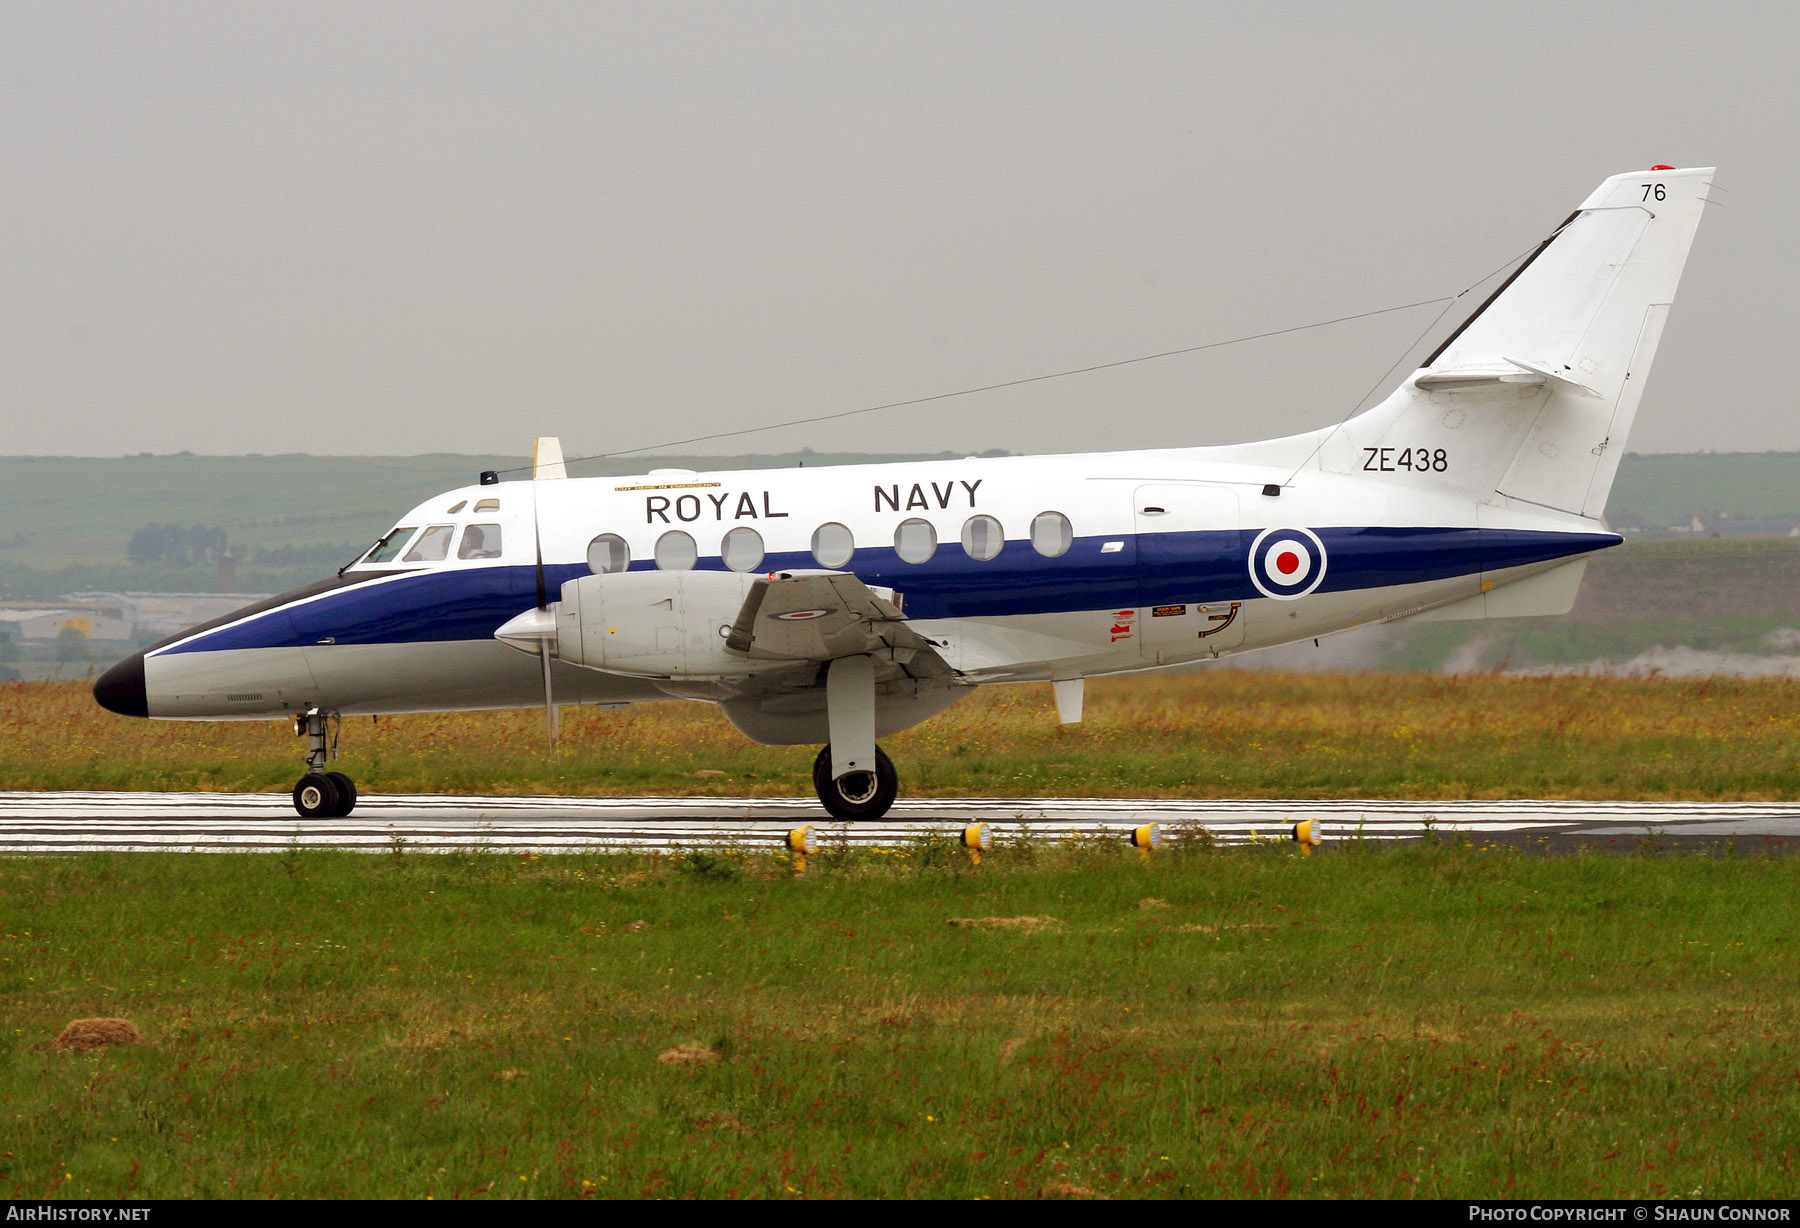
x=856, y=795
x=321, y=794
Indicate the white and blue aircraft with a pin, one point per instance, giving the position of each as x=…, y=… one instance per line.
x=836, y=606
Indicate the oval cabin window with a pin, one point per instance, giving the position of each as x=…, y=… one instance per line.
x=675, y=551
x=915, y=540
x=607, y=554
x=742, y=549
x=982, y=537
x=832, y=545
x=1051, y=535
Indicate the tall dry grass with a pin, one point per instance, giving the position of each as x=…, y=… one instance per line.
x=1206, y=734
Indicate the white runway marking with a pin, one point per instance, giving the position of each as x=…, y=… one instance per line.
x=263, y=822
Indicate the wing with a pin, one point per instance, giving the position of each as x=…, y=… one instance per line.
x=823, y=615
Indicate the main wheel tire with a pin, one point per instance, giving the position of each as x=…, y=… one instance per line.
x=317, y=796
x=856, y=795
x=346, y=794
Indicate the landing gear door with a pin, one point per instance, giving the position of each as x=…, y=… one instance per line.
x=1188, y=571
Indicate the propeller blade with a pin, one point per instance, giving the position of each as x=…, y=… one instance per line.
x=537, y=543
x=551, y=720
x=543, y=603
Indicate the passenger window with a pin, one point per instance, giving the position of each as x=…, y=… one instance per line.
x=832, y=545
x=480, y=541
x=432, y=546
x=1051, y=535
x=388, y=548
x=982, y=537
x=608, y=554
x=675, y=551
x=915, y=540
x=487, y=505
x=742, y=548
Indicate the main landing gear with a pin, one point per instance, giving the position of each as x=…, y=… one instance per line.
x=321, y=794
x=852, y=776
x=856, y=794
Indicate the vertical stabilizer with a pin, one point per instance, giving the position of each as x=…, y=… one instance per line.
x=1533, y=397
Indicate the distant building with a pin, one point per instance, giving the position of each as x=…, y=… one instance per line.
x=46, y=625
x=156, y=615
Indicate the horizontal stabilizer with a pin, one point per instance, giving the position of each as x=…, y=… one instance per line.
x=1461, y=379
x=1512, y=372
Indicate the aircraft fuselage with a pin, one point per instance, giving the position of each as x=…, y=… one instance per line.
x=1166, y=559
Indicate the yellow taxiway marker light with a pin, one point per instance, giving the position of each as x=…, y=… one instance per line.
x=800, y=842
x=1309, y=834
x=1147, y=837
x=975, y=838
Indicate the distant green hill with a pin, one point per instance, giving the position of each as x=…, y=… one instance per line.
x=1657, y=491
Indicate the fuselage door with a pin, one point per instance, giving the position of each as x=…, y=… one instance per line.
x=1189, y=570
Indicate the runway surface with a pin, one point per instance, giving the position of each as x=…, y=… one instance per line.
x=250, y=822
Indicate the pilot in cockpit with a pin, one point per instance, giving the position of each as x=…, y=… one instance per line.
x=480, y=541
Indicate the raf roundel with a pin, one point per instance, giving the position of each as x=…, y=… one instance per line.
x=1287, y=563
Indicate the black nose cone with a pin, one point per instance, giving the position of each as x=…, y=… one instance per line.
x=121, y=688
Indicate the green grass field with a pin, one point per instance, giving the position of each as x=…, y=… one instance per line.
x=1438, y=1021
x=1194, y=734
x=1065, y=1021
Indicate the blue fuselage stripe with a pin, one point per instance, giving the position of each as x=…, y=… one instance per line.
x=1097, y=573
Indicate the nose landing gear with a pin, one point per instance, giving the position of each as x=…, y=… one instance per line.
x=321, y=794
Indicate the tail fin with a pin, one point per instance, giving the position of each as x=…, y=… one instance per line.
x=1533, y=397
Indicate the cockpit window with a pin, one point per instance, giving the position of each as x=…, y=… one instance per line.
x=487, y=505
x=432, y=546
x=388, y=548
x=480, y=541
x=458, y=506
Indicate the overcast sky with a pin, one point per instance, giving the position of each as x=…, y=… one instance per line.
x=395, y=228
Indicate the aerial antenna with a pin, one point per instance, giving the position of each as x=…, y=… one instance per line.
x=1011, y=383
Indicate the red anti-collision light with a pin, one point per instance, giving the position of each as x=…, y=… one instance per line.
x=1662, y=168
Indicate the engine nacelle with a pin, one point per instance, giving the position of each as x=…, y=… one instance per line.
x=659, y=624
